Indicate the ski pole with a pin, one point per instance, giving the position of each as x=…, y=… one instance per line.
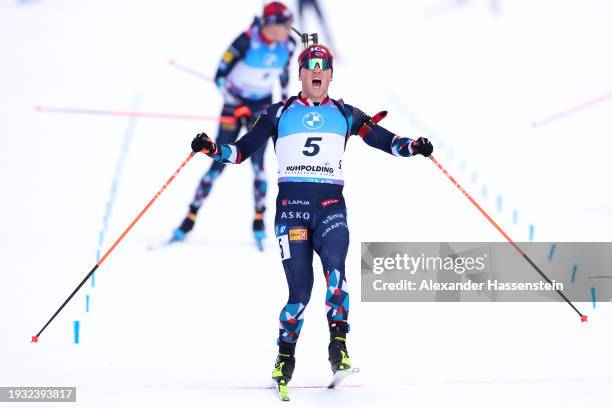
x=221, y=119
x=583, y=318
x=190, y=70
x=572, y=110
x=117, y=241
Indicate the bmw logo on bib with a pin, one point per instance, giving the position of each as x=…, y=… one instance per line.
x=313, y=120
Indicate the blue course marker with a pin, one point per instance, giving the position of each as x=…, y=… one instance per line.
x=574, y=273
x=484, y=190
x=87, y=303
x=593, y=297
x=551, y=252
x=531, y=228
x=514, y=217
x=127, y=138
x=77, y=326
x=499, y=203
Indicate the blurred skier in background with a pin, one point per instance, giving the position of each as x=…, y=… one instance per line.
x=246, y=77
x=310, y=132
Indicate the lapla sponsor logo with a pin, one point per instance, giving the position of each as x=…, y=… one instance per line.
x=309, y=168
x=329, y=201
x=285, y=202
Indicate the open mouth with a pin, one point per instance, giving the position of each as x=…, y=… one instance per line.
x=316, y=83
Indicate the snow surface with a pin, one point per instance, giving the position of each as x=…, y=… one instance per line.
x=195, y=324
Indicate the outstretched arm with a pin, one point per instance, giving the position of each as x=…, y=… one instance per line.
x=380, y=138
x=236, y=153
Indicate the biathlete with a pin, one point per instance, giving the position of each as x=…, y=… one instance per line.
x=310, y=132
x=248, y=70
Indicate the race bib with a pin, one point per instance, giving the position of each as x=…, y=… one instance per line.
x=311, y=157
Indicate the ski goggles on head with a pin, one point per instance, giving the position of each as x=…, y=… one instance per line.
x=311, y=63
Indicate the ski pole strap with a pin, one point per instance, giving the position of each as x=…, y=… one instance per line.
x=214, y=150
x=367, y=125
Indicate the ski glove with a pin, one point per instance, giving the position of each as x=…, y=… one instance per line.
x=422, y=146
x=243, y=114
x=203, y=143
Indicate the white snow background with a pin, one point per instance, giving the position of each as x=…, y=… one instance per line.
x=195, y=324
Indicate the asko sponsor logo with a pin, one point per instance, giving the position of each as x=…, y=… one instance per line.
x=298, y=234
x=285, y=202
x=298, y=215
x=329, y=201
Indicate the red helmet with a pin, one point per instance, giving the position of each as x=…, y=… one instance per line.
x=276, y=13
x=315, y=51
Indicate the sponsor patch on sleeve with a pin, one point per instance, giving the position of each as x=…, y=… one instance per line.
x=227, y=57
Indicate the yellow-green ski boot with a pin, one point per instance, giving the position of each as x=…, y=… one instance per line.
x=283, y=369
x=338, y=354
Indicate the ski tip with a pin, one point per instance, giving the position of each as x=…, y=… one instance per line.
x=34, y=339
x=351, y=370
x=154, y=247
x=584, y=318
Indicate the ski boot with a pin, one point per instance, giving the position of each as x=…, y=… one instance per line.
x=181, y=232
x=259, y=228
x=338, y=354
x=283, y=368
